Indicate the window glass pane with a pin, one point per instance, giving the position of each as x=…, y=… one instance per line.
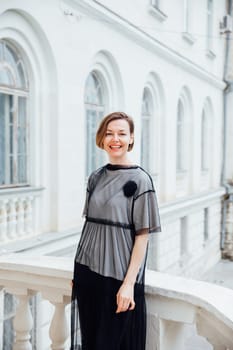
x=11, y=169
x=93, y=91
x=10, y=57
x=11, y=139
x=145, y=144
x=7, y=139
x=22, y=112
x=95, y=156
x=145, y=133
x=94, y=113
x=11, y=109
x=89, y=143
x=5, y=77
x=21, y=75
x=22, y=125
x=22, y=169
x=2, y=139
x=22, y=140
x=204, y=142
x=180, y=137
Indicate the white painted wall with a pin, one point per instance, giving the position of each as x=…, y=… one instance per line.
x=128, y=45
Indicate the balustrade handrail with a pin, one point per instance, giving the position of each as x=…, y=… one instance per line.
x=212, y=298
x=9, y=192
x=215, y=299
x=51, y=276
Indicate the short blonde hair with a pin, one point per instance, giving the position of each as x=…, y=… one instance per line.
x=101, y=132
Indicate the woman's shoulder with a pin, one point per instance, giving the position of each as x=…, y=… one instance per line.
x=143, y=175
x=94, y=177
x=144, y=180
x=97, y=172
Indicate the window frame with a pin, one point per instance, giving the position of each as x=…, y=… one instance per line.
x=187, y=23
x=186, y=16
x=16, y=90
x=99, y=110
x=148, y=119
x=209, y=25
x=184, y=248
x=205, y=142
x=206, y=225
x=181, y=165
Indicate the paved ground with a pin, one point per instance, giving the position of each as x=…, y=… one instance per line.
x=221, y=274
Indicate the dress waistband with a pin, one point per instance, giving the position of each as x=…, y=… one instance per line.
x=110, y=222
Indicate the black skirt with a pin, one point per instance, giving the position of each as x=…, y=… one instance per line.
x=93, y=312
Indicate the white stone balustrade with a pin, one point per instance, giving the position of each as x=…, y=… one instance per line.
x=17, y=213
x=172, y=303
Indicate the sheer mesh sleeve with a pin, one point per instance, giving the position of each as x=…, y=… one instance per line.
x=85, y=208
x=91, y=183
x=146, y=213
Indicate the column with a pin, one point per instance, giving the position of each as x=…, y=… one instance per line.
x=59, y=328
x=23, y=324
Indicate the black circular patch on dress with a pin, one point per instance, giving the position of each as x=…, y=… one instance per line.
x=129, y=188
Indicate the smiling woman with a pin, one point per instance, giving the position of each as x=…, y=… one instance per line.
x=108, y=283
x=117, y=140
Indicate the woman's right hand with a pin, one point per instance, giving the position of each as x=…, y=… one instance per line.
x=125, y=298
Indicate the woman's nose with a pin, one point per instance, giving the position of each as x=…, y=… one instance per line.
x=115, y=137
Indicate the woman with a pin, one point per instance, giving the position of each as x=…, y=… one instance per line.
x=121, y=210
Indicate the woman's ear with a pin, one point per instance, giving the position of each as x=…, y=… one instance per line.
x=131, y=139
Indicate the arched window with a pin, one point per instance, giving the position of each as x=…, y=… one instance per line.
x=146, y=127
x=95, y=109
x=205, y=140
x=14, y=123
x=180, y=138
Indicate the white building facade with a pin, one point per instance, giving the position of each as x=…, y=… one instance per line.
x=66, y=63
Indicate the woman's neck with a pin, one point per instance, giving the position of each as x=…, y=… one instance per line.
x=120, y=161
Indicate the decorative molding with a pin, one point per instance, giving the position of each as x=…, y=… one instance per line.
x=97, y=10
x=19, y=190
x=188, y=37
x=156, y=12
x=210, y=54
x=186, y=205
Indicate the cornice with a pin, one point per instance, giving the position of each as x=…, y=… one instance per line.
x=98, y=11
x=188, y=204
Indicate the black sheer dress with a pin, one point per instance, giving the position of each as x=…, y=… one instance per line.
x=120, y=202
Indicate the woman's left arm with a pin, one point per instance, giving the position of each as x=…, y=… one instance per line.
x=125, y=295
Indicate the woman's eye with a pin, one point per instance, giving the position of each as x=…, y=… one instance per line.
x=108, y=134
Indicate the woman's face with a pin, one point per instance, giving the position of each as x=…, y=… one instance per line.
x=117, y=140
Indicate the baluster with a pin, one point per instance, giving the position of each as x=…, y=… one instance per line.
x=59, y=329
x=23, y=324
x=3, y=221
x=12, y=219
x=28, y=215
x=20, y=218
